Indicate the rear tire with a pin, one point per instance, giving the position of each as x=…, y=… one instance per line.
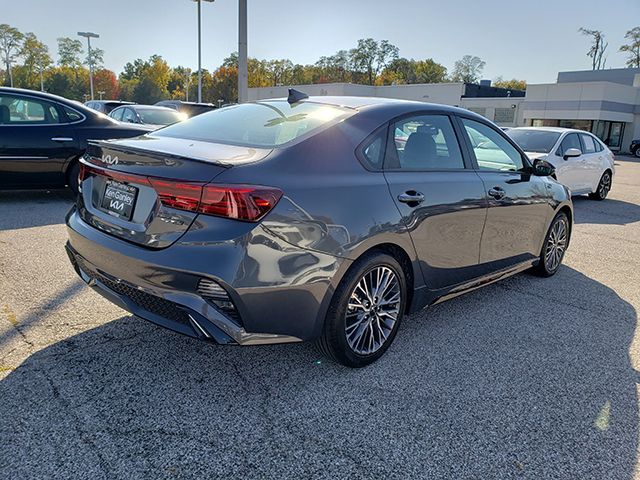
x=603, y=187
x=365, y=311
x=554, y=246
x=72, y=177
x=637, y=152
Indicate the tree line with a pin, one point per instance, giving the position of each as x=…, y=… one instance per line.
x=28, y=63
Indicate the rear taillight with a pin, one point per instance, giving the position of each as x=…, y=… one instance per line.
x=243, y=202
x=240, y=202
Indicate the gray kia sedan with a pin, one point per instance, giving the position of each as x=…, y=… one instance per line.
x=322, y=218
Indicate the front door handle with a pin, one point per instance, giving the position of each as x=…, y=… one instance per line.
x=497, y=193
x=411, y=197
x=62, y=139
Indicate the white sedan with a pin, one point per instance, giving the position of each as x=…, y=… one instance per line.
x=583, y=163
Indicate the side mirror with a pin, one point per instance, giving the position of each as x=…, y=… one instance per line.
x=571, y=153
x=542, y=168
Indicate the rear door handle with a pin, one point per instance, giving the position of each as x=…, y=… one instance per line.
x=62, y=139
x=411, y=196
x=497, y=193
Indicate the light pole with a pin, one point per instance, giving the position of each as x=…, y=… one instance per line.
x=89, y=36
x=200, y=49
x=243, y=70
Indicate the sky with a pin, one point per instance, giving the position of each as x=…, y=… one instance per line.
x=530, y=40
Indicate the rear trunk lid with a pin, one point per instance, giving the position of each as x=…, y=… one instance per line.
x=122, y=181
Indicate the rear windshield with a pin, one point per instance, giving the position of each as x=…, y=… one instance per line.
x=265, y=124
x=537, y=141
x=159, y=117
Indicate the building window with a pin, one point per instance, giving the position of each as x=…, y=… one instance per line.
x=576, y=124
x=504, y=115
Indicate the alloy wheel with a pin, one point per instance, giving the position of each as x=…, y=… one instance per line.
x=605, y=185
x=556, y=244
x=373, y=310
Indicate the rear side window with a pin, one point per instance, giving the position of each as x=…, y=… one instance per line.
x=588, y=144
x=264, y=124
x=424, y=142
x=72, y=115
x=117, y=113
x=372, y=152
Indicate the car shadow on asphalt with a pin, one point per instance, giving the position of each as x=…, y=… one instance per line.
x=527, y=378
x=58, y=203
x=601, y=212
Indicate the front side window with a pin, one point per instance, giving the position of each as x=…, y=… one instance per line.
x=424, y=142
x=587, y=142
x=492, y=150
x=570, y=141
x=17, y=110
x=129, y=116
x=264, y=124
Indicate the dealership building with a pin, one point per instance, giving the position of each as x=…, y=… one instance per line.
x=604, y=102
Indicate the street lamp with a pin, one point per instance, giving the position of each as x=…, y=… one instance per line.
x=200, y=50
x=243, y=71
x=89, y=36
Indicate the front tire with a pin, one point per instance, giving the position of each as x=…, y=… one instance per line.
x=637, y=152
x=365, y=312
x=554, y=247
x=603, y=187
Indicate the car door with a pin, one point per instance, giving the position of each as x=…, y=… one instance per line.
x=570, y=171
x=592, y=162
x=440, y=197
x=36, y=142
x=518, y=202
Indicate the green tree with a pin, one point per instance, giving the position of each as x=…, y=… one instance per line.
x=513, y=84
x=10, y=45
x=69, y=52
x=632, y=48
x=36, y=59
x=153, y=81
x=598, y=47
x=95, y=59
x=468, y=69
x=369, y=58
x=402, y=70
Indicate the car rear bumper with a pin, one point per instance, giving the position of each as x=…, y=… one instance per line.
x=279, y=292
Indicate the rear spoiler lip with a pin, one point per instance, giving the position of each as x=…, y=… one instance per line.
x=109, y=144
x=143, y=151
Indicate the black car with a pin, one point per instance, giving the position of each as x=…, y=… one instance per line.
x=635, y=148
x=106, y=106
x=191, y=109
x=42, y=136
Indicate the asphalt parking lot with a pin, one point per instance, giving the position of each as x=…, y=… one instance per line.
x=528, y=378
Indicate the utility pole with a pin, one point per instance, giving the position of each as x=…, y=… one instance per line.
x=89, y=36
x=199, y=2
x=243, y=70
